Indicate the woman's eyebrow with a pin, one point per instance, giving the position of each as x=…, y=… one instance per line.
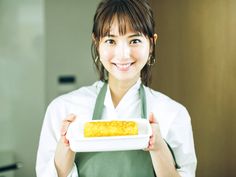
x=130, y=36
x=135, y=35
x=111, y=35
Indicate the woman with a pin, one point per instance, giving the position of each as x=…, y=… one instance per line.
x=123, y=51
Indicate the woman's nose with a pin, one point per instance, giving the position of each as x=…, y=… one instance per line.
x=123, y=51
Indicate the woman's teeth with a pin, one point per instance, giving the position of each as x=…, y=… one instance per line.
x=123, y=66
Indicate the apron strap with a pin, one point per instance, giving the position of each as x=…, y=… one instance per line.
x=97, y=113
x=173, y=155
x=143, y=102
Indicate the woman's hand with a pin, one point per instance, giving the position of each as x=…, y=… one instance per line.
x=156, y=139
x=64, y=156
x=162, y=159
x=64, y=128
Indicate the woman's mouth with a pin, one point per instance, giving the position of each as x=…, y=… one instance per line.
x=123, y=67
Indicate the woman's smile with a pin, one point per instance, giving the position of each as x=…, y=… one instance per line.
x=123, y=66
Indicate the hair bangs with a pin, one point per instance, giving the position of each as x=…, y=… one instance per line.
x=126, y=18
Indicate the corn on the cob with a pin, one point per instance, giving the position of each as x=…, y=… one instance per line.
x=110, y=128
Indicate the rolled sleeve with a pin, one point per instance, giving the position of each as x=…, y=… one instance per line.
x=180, y=138
x=49, y=137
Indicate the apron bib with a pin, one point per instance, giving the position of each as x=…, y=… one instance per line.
x=133, y=163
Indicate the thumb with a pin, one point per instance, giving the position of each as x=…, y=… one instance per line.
x=70, y=118
x=152, y=119
x=66, y=122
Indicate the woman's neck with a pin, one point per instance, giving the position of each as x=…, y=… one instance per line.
x=119, y=88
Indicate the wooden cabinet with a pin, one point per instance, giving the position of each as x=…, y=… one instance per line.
x=196, y=65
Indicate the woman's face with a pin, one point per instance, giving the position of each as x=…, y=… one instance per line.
x=124, y=56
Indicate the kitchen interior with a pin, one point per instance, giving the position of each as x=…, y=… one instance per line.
x=45, y=52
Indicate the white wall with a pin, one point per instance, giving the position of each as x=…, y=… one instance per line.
x=22, y=88
x=39, y=41
x=68, y=30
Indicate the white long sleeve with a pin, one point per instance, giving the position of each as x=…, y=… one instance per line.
x=49, y=138
x=180, y=138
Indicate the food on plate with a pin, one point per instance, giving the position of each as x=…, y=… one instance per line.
x=110, y=128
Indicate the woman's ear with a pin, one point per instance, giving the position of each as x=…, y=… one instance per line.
x=154, y=41
x=93, y=38
x=155, y=36
x=95, y=41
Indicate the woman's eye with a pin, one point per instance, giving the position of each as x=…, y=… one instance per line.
x=110, y=41
x=135, y=41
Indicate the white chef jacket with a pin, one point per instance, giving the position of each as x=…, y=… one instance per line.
x=173, y=118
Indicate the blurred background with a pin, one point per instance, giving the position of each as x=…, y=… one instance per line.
x=45, y=51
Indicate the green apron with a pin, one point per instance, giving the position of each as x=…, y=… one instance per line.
x=132, y=163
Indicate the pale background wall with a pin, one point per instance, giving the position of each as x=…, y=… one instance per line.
x=39, y=41
x=197, y=67
x=68, y=31
x=22, y=80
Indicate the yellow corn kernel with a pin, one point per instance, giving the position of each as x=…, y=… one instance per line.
x=110, y=128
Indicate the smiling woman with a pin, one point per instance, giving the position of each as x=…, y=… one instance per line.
x=124, y=18
x=123, y=50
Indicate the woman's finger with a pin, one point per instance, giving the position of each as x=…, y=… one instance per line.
x=65, y=141
x=71, y=118
x=152, y=119
x=66, y=123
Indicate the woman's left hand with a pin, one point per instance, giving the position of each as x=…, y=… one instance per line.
x=156, y=139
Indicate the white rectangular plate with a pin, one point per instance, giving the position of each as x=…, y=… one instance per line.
x=79, y=143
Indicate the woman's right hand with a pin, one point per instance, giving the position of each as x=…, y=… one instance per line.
x=64, y=156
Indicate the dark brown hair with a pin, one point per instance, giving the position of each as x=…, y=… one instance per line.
x=135, y=13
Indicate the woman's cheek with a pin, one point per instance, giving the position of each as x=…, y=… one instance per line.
x=140, y=54
x=106, y=54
